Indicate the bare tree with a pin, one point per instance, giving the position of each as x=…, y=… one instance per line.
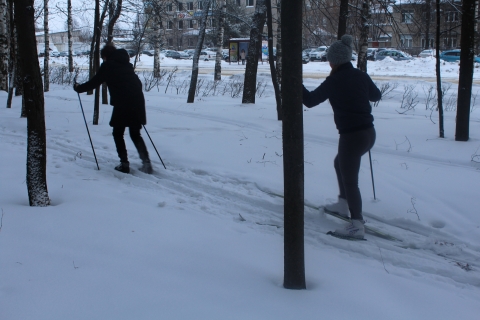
x=466, y=70
x=196, y=55
x=438, y=73
x=69, y=30
x=363, y=42
x=12, y=54
x=34, y=100
x=221, y=28
x=271, y=60
x=342, y=19
x=293, y=157
x=254, y=51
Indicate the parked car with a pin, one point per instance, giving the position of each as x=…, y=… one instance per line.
x=184, y=55
x=63, y=54
x=394, y=54
x=371, y=53
x=427, y=53
x=354, y=56
x=454, y=55
x=149, y=53
x=318, y=54
x=132, y=52
x=305, y=57
x=172, y=54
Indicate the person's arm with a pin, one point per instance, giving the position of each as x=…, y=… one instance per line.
x=317, y=96
x=95, y=82
x=374, y=93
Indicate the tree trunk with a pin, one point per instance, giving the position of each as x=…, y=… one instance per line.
x=292, y=132
x=273, y=71
x=363, y=42
x=254, y=50
x=196, y=55
x=46, y=58
x=437, y=70
x=221, y=27
x=96, y=60
x=428, y=20
x=34, y=100
x=467, y=44
x=3, y=45
x=279, y=46
x=156, y=48
x=69, y=27
x=12, y=54
x=342, y=19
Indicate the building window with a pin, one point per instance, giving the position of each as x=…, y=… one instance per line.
x=191, y=42
x=180, y=24
x=180, y=6
x=239, y=3
x=189, y=5
x=200, y=5
x=451, y=16
x=407, y=16
x=169, y=25
x=406, y=41
x=430, y=41
x=450, y=42
x=190, y=24
x=250, y=3
x=170, y=7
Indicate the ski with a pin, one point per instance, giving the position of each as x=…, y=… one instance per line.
x=339, y=236
x=369, y=230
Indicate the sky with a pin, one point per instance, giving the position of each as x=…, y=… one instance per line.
x=203, y=238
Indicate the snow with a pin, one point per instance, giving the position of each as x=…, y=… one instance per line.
x=204, y=238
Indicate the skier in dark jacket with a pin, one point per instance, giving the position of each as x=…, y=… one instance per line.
x=128, y=103
x=349, y=91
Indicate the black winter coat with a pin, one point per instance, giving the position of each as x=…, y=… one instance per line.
x=350, y=91
x=125, y=89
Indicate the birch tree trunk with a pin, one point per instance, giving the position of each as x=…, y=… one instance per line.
x=255, y=45
x=293, y=157
x=221, y=28
x=46, y=58
x=363, y=42
x=465, y=80
x=34, y=100
x=156, y=48
x=4, y=52
x=196, y=55
x=69, y=27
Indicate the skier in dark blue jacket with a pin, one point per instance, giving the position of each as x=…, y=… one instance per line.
x=128, y=103
x=349, y=91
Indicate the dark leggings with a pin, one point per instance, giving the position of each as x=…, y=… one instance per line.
x=137, y=139
x=351, y=147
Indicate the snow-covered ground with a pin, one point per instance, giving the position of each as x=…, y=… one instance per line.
x=203, y=239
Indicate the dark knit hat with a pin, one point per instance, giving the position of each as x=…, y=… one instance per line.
x=340, y=51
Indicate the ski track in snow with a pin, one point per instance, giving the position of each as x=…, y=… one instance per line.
x=423, y=252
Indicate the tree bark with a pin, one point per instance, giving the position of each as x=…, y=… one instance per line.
x=46, y=58
x=293, y=157
x=279, y=46
x=34, y=103
x=69, y=27
x=363, y=42
x=221, y=27
x=254, y=50
x=156, y=48
x=342, y=19
x=438, y=73
x=196, y=55
x=467, y=44
x=4, y=52
x=273, y=71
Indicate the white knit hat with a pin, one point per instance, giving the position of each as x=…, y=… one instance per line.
x=340, y=51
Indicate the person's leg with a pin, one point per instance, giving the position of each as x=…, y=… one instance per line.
x=139, y=143
x=121, y=149
x=352, y=147
x=120, y=143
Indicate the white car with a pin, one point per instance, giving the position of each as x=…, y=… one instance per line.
x=318, y=54
x=427, y=53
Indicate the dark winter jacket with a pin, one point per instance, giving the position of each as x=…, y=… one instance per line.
x=125, y=89
x=350, y=91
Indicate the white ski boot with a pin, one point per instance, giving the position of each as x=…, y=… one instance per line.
x=353, y=229
x=340, y=207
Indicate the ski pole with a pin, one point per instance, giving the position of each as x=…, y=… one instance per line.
x=371, y=171
x=153, y=144
x=87, y=129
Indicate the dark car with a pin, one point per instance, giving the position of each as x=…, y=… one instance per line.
x=172, y=54
x=394, y=54
x=148, y=52
x=131, y=52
